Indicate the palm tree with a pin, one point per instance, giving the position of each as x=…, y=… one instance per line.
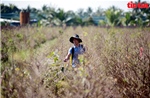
x=44, y=8
x=99, y=12
x=89, y=11
x=113, y=16
x=28, y=8
x=142, y=15
x=80, y=12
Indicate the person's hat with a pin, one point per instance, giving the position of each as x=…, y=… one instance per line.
x=75, y=37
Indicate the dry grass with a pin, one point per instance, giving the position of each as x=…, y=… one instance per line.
x=112, y=66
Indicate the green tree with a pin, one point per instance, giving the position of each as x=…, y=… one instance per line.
x=141, y=15
x=80, y=12
x=99, y=12
x=9, y=9
x=113, y=16
x=89, y=11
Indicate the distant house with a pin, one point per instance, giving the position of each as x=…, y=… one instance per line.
x=10, y=21
x=96, y=19
x=13, y=19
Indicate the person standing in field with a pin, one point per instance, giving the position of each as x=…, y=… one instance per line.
x=74, y=51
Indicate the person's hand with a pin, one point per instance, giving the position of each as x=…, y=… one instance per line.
x=65, y=60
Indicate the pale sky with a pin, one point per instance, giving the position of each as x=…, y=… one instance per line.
x=71, y=4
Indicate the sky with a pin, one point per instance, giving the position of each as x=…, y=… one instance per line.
x=70, y=4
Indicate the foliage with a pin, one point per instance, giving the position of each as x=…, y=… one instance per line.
x=9, y=9
x=113, y=16
x=142, y=16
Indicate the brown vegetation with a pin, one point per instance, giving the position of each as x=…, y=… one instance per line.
x=116, y=63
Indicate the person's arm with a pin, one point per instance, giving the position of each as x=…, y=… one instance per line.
x=67, y=57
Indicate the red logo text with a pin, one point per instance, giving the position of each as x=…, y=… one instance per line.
x=137, y=5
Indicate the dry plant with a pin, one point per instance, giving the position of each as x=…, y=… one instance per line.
x=116, y=63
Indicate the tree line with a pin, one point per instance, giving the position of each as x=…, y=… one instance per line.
x=112, y=16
